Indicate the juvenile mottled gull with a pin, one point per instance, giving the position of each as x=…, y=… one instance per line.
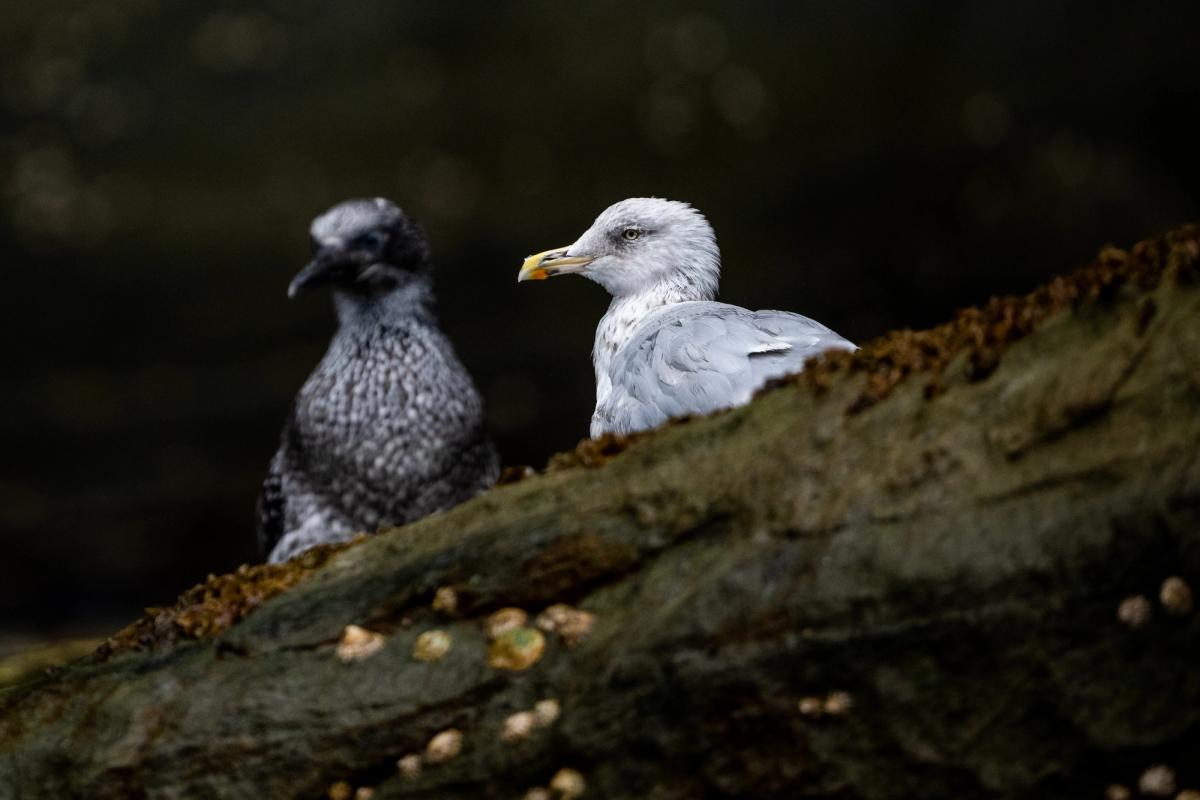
x=664, y=348
x=389, y=427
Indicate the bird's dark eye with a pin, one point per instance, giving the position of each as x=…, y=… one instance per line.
x=631, y=234
x=371, y=240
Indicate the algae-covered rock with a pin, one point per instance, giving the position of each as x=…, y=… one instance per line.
x=905, y=573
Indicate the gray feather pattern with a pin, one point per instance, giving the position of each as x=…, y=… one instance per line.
x=698, y=357
x=388, y=429
x=389, y=426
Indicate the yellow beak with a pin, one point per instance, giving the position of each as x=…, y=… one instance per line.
x=549, y=263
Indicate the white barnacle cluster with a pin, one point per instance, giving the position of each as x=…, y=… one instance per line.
x=571, y=624
x=566, y=784
x=442, y=747
x=833, y=704
x=343, y=790
x=523, y=724
x=514, y=647
x=1174, y=595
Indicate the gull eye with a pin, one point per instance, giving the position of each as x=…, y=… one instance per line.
x=631, y=234
x=371, y=240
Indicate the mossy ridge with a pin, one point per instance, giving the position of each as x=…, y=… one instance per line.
x=209, y=608
x=985, y=331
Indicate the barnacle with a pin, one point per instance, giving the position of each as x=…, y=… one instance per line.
x=1176, y=595
x=409, y=766
x=506, y=619
x=431, y=645
x=444, y=747
x=445, y=600
x=358, y=643
x=1157, y=780
x=519, y=726
x=568, y=783
x=811, y=707
x=1135, y=611
x=838, y=704
x=571, y=623
x=546, y=711
x=516, y=649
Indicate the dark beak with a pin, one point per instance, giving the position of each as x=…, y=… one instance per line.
x=327, y=266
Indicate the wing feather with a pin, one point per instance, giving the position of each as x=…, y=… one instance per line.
x=700, y=357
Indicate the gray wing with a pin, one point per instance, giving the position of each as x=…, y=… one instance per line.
x=700, y=357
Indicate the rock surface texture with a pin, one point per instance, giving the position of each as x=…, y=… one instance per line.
x=899, y=575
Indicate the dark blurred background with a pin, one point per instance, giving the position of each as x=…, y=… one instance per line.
x=874, y=165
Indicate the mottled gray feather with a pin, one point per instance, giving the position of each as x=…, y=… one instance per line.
x=389, y=426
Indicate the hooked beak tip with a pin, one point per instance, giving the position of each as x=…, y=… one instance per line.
x=323, y=269
x=533, y=273
x=549, y=263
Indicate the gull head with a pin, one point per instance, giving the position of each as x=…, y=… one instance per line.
x=638, y=245
x=365, y=247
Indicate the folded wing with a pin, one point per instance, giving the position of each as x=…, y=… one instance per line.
x=700, y=357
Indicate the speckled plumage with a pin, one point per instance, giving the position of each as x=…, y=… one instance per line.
x=664, y=348
x=389, y=426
